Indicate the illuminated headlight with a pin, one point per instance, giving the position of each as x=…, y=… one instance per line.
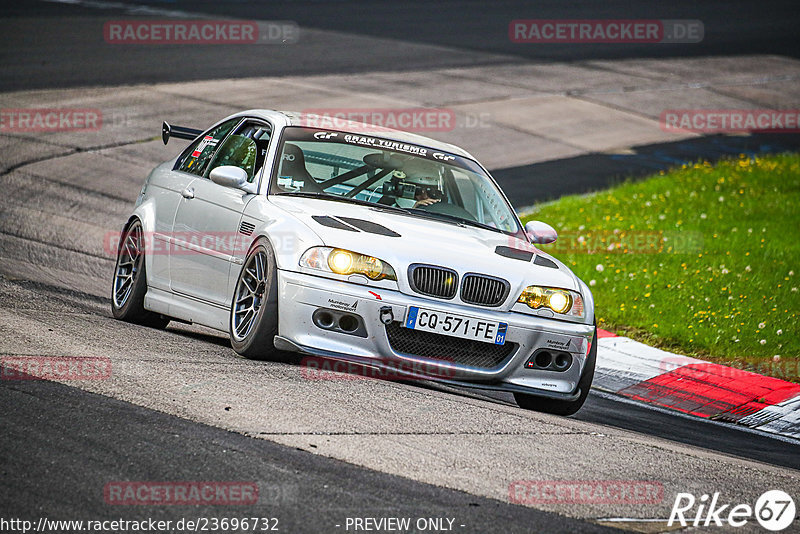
x=560, y=301
x=340, y=261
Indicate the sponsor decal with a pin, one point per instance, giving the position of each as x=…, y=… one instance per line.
x=377, y=142
x=205, y=142
x=557, y=344
x=340, y=305
x=324, y=136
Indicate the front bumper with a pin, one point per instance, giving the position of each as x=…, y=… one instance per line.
x=302, y=294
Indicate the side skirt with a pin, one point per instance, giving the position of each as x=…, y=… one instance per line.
x=187, y=309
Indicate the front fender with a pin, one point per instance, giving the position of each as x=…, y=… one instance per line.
x=588, y=301
x=288, y=236
x=145, y=212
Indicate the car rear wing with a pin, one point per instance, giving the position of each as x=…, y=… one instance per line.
x=181, y=132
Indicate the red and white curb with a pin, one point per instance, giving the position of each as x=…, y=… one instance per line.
x=696, y=387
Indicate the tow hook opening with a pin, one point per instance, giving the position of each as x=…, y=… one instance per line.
x=386, y=315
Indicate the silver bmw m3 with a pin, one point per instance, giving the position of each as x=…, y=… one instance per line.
x=378, y=247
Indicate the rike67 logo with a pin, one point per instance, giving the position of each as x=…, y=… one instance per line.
x=774, y=510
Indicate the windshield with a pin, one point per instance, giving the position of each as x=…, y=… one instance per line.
x=388, y=173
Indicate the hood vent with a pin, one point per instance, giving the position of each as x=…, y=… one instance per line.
x=514, y=253
x=544, y=262
x=330, y=222
x=354, y=225
x=370, y=227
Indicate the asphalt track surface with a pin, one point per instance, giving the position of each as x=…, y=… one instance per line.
x=186, y=409
x=53, y=44
x=305, y=492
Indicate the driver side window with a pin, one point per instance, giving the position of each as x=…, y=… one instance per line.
x=195, y=159
x=246, y=148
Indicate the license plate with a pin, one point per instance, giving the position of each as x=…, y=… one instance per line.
x=451, y=324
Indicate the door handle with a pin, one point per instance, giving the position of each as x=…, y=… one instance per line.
x=188, y=192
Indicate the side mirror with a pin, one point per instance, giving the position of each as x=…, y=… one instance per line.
x=540, y=233
x=229, y=176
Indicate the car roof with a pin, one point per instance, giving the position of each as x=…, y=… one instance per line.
x=294, y=118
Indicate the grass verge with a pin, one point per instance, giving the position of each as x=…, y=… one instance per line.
x=703, y=260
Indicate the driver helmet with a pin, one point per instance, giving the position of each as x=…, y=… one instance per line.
x=426, y=180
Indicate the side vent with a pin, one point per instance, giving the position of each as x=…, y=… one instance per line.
x=246, y=228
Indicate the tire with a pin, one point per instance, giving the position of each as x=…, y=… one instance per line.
x=560, y=407
x=129, y=284
x=253, y=322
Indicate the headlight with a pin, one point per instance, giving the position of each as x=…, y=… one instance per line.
x=560, y=301
x=344, y=262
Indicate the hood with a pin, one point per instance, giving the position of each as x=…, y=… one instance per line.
x=401, y=240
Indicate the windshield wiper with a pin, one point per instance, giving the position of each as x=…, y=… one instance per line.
x=456, y=219
x=348, y=200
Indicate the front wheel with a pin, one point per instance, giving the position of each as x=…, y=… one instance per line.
x=130, y=281
x=560, y=407
x=254, y=310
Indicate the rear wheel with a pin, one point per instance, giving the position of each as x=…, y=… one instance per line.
x=254, y=310
x=560, y=407
x=130, y=281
